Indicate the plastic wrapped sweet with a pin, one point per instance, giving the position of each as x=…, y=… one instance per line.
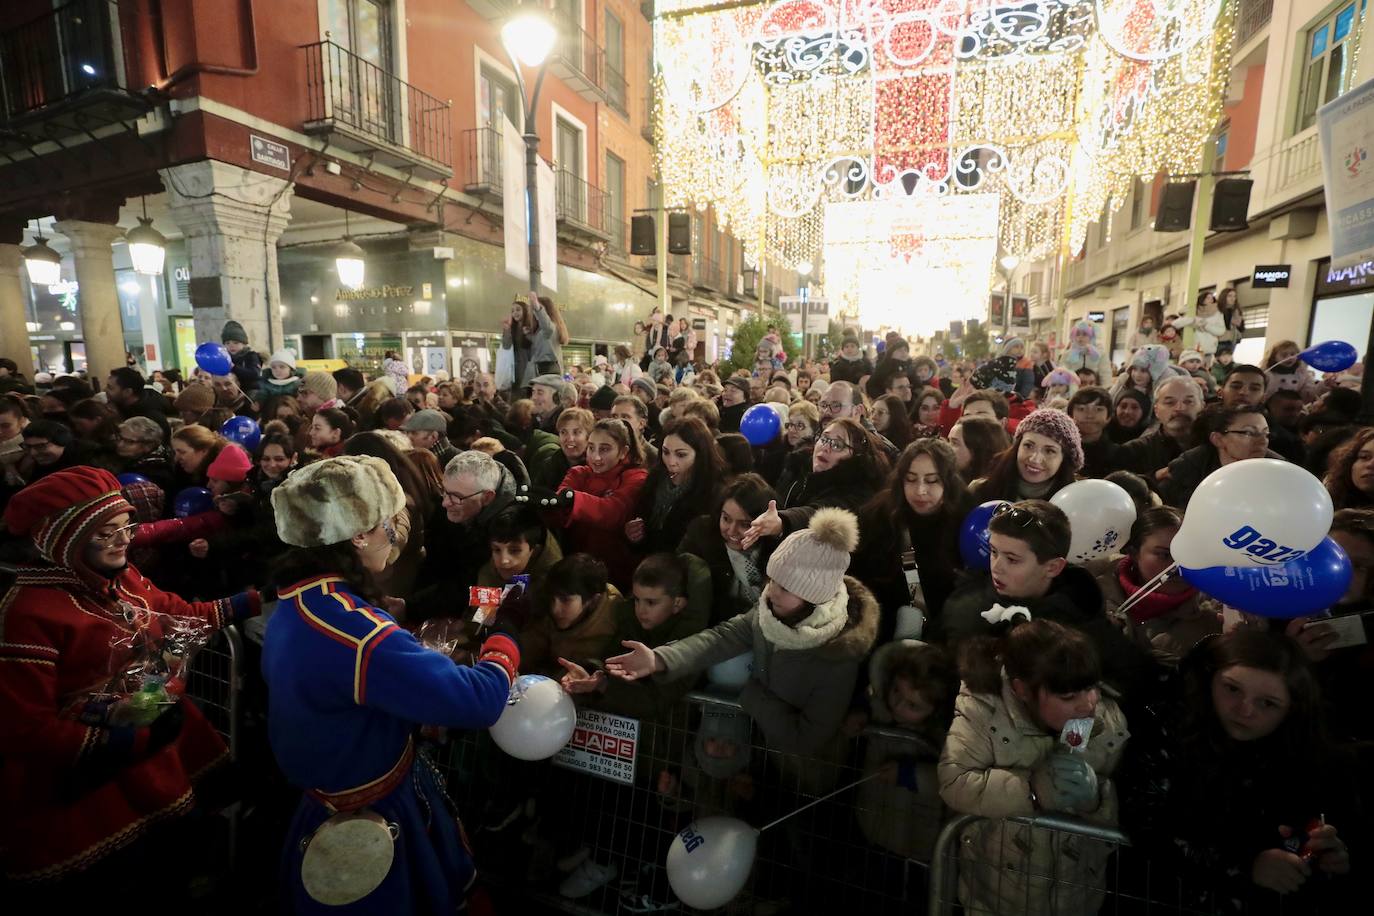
x=147, y=670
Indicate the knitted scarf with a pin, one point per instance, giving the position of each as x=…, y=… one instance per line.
x=820, y=626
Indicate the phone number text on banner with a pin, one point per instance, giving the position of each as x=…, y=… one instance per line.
x=602, y=745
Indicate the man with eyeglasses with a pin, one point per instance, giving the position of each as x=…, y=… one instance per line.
x=1238, y=433
x=476, y=489
x=842, y=399
x=138, y=443
x=49, y=446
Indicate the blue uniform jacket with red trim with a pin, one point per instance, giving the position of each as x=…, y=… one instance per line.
x=348, y=685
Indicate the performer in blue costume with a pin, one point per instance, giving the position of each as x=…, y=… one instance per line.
x=348, y=688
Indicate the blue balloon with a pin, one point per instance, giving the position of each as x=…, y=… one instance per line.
x=214, y=359
x=129, y=477
x=192, y=501
x=1331, y=356
x=973, y=535
x=243, y=430
x=1312, y=582
x=760, y=424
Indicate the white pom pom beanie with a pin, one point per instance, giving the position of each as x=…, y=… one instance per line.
x=811, y=563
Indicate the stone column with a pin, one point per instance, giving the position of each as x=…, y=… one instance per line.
x=14, y=313
x=101, y=330
x=231, y=244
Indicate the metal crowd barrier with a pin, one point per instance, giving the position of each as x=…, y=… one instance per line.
x=215, y=683
x=532, y=823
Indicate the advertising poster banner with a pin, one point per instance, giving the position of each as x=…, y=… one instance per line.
x=602, y=745
x=1346, y=128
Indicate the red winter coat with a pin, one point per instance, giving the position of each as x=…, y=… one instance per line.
x=56, y=817
x=596, y=521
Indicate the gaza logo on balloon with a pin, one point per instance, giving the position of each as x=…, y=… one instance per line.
x=1263, y=549
x=691, y=839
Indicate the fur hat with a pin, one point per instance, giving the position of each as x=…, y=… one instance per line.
x=283, y=356
x=811, y=563
x=231, y=465
x=233, y=331
x=330, y=501
x=321, y=384
x=1056, y=425
x=195, y=398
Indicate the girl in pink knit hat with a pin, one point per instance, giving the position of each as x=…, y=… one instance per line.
x=1045, y=456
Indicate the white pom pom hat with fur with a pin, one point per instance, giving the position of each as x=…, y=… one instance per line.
x=811, y=563
x=330, y=501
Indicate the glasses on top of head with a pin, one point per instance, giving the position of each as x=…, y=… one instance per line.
x=1021, y=518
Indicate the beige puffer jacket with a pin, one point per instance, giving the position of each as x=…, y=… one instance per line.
x=1012, y=869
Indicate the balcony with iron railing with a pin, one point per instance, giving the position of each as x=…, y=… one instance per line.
x=706, y=273
x=1253, y=16
x=617, y=91
x=581, y=206
x=482, y=156
x=66, y=72
x=578, y=60
x=364, y=108
x=646, y=126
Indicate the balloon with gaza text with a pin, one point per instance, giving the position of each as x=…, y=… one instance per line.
x=214, y=359
x=192, y=501
x=1330, y=356
x=1100, y=517
x=760, y=425
x=1256, y=512
x=1312, y=582
x=243, y=430
x=539, y=719
x=710, y=860
x=129, y=477
x=973, y=535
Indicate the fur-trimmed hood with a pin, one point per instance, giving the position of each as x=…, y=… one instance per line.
x=879, y=673
x=851, y=643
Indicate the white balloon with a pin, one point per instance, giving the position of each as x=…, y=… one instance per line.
x=1256, y=512
x=710, y=861
x=1100, y=517
x=538, y=720
x=733, y=672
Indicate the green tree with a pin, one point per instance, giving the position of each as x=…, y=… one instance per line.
x=745, y=343
x=975, y=342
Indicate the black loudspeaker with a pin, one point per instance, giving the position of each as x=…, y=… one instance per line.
x=679, y=233
x=643, y=235
x=1230, y=203
x=1176, y=207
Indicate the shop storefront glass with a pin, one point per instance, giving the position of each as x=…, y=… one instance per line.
x=1344, y=305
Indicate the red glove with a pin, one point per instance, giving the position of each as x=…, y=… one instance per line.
x=502, y=650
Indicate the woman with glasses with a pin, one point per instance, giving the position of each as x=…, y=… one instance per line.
x=1043, y=459
x=86, y=796
x=925, y=413
x=909, y=553
x=140, y=450
x=846, y=462
x=1236, y=434
x=799, y=435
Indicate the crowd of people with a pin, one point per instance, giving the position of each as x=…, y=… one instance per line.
x=634, y=538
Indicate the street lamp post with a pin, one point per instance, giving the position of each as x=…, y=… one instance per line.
x=528, y=36
x=1008, y=263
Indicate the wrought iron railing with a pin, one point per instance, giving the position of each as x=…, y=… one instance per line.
x=706, y=274
x=58, y=55
x=617, y=90
x=581, y=203
x=348, y=91
x=579, y=50
x=1253, y=16
x=482, y=159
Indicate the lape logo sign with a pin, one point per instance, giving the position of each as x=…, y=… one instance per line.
x=1271, y=276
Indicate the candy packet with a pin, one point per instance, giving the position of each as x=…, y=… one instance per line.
x=1075, y=735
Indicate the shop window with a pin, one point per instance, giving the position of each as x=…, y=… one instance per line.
x=498, y=100
x=1343, y=318
x=615, y=187
x=1329, y=69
